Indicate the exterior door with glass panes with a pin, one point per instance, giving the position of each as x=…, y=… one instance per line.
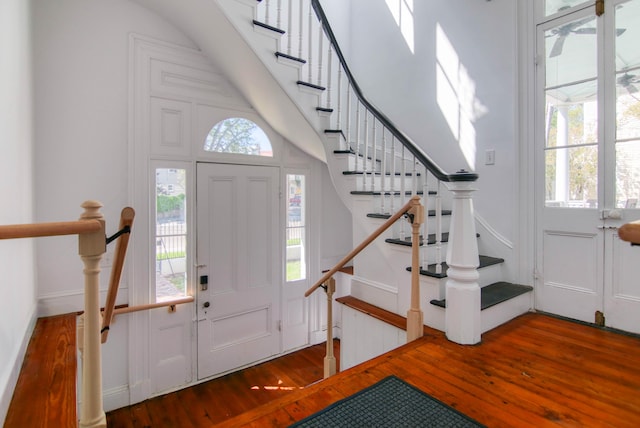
x=588, y=160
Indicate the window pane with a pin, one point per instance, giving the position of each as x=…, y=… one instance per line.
x=628, y=70
x=553, y=6
x=240, y=136
x=295, y=230
x=571, y=124
x=171, y=233
x=572, y=177
x=628, y=174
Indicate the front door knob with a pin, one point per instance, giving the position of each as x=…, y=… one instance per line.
x=206, y=304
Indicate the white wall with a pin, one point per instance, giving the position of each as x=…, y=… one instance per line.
x=17, y=307
x=475, y=44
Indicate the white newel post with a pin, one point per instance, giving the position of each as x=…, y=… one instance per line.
x=463, y=291
x=91, y=247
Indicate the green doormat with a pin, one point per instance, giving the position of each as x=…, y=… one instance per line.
x=388, y=403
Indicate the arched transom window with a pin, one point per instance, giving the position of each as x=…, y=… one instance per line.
x=238, y=135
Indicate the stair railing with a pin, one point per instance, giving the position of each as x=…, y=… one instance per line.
x=414, y=211
x=387, y=163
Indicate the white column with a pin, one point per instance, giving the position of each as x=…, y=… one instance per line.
x=463, y=292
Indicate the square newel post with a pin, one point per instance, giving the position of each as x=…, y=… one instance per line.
x=462, y=291
x=91, y=247
x=415, y=316
x=329, y=359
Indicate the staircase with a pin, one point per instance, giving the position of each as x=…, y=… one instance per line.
x=376, y=168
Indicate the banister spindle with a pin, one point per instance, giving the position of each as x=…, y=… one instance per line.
x=339, y=106
x=320, y=54
x=300, y=28
x=365, y=163
x=383, y=172
x=438, y=209
x=267, y=12
x=403, y=186
x=279, y=14
x=289, y=27
x=349, y=117
x=374, y=156
x=329, y=64
x=310, y=59
x=357, y=162
x=425, y=226
x=392, y=187
x=329, y=359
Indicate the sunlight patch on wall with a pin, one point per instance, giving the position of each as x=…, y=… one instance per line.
x=402, y=11
x=456, y=97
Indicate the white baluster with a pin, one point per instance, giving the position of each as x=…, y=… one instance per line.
x=425, y=226
x=279, y=14
x=438, y=243
x=289, y=27
x=320, y=56
x=373, y=157
x=310, y=59
x=365, y=163
x=349, y=117
x=267, y=12
x=339, y=106
x=301, y=29
x=357, y=162
x=403, y=180
x=393, y=175
x=329, y=64
x=383, y=173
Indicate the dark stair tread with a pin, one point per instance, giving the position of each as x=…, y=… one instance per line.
x=431, y=269
x=387, y=174
x=292, y=58
x=268, y=27
x=431, y=239
x=378, y=192
x=311, y=85
x=327, y=110
x=430, y=213
x=493, y=294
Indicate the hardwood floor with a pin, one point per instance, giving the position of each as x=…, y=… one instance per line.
x=218, y=400
x=536, y=371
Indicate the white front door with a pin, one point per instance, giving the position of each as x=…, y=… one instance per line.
x=588, y=161
x=238, y=256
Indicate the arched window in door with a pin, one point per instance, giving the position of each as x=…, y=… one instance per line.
x=238, y=135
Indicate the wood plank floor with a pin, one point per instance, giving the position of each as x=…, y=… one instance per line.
x=536, y=371
x=45, y=394
x=218, y=400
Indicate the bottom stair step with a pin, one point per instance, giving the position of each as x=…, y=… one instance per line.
x=493, y=294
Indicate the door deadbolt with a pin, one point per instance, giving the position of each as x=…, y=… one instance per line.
x=206, y=304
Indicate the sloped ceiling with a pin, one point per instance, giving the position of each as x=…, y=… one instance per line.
x=204, y=23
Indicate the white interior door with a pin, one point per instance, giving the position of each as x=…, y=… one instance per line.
x=238, y=259
x=587, y=162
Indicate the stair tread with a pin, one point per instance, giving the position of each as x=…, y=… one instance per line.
x=386, y=174
x=268, y=27
x=483, y=262
x=430, y=213
x=374, y=311
x=290, y=57
x=378, y=193
x=431, y=239
x=311, y=85
x=494, y=294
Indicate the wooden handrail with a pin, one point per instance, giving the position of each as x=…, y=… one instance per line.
x=174, y=302
x=415, y=200
x=630, y=232
x=36, y=230
x=126, y=221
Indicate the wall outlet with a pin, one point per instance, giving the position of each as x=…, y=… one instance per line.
x=490, y=157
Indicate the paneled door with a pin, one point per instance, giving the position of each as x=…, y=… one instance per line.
x=238, y=266
x=588, y=160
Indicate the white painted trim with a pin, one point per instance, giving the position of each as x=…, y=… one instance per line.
x=16, y=367
x=68, y=301
x=502, y=239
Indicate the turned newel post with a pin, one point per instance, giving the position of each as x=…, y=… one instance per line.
x=463, y=291
x=415, y=317
x=91, y=247
x=329, y=359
